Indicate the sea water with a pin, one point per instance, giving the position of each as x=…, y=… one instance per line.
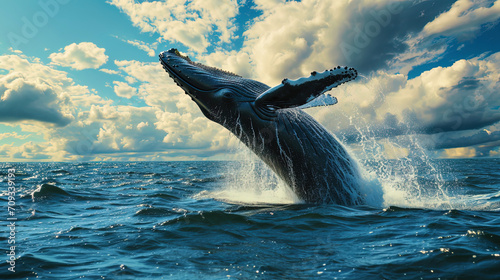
x=436, y=219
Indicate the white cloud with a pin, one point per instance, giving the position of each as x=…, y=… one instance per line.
x=109, y=71
x=150, y=72
x=15, y=51
x=124, y=90
x=233, y=61
x=34, y=91
x=23, y=99
x=292, y=38
x=188, y=22
x=418, y=53
x=80, y=56
x=188, y=131
x=268, y=5
x=150, y=49
x=156, y=87
x=464, y=18
x=458, y=97
x=448, y=106
x=96, y=129
x=142, y=124
x=113, y=131
x=13, y=135
x=26, y=151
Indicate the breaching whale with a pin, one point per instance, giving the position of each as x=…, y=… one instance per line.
x=270, y=121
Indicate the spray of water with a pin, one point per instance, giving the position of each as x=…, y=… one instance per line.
x=250, y=182
x=412, y=180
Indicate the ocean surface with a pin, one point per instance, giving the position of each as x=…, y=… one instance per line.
x=233, y=220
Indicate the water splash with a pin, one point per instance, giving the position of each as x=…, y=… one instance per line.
x=250, y=182
x=412, y=180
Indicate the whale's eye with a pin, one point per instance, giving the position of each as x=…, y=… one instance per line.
x=227, y=94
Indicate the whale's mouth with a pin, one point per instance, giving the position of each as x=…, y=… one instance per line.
x=194, y=77
x=183, y=73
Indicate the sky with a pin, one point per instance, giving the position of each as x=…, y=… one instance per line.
x=80, y=80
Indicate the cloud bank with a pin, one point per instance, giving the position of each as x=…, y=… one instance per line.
x=452, y=109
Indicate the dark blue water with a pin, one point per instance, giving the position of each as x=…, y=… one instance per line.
x=195, y=220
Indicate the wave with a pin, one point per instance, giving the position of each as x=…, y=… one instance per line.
x=48, y=190
x=154, y=211
x=60, y=172
x=208, y=218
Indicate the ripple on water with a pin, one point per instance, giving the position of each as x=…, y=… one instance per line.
x=145, y=221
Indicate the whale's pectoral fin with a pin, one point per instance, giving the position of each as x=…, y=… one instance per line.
x=301, y=92
x=322, y=100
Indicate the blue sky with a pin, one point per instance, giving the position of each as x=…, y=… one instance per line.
x=80, y=80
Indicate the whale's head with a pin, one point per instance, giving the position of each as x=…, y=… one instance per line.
x=218, y=93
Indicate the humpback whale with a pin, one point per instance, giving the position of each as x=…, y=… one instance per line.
x=271, y=122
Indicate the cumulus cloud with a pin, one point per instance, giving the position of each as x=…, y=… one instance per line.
x=80, y=56
x=116, y=131
x=150, y=49
x=232, y=61
x=187, y=22
x=449, y=107
x=459, y=97
x=186, y=130
x=464, y=18
x=124, y=90
x=36, y=72
x=22, y=99
x=82, y=126
x=33, y=91
x=26, y=151
x=294, y=38
x=155, y=86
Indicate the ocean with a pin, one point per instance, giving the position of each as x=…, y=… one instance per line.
x=435, y=219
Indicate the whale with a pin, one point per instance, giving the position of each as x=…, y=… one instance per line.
x=272, y=123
